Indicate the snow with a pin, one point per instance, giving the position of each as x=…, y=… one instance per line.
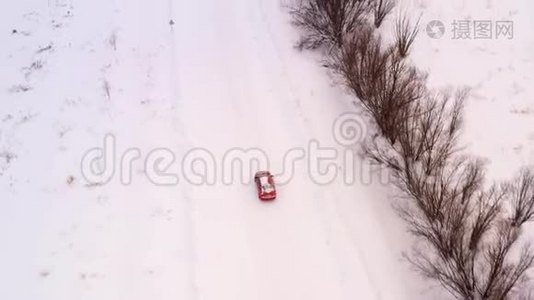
x=205, y=79
x=219, y=77
x=498, y=71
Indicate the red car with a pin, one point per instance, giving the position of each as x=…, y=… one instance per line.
x=265, y=185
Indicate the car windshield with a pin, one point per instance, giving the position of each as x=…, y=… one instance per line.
x=265, y=185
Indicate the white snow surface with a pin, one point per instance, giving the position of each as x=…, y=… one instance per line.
x=222, y=75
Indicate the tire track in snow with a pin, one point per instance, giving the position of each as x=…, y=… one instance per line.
x=305, y=120
x=179, y=127
x=282, y=242
x=318, y=208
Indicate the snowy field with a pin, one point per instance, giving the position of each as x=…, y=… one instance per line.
x=496, y=64
x=212, y=77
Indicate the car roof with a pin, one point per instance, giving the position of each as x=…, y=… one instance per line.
x=264, y=180
x=262, y=173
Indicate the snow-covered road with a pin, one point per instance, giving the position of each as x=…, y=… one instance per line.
x=241, y=85
x=220, y=76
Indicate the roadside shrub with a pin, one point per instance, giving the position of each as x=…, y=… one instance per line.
x=472, y=246
x=468, y=236
x=384, y=83
x=405, y=34
x=426, y=134
x=326, y=22
x=381, y=8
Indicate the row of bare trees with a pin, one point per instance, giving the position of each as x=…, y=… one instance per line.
x=468, y=235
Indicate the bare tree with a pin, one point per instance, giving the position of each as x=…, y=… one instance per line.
x=360, y=62
x=381, y=8
x=469, y=235
x=468, y=239
x=406, y=33
x=523, y=204
x=326, y=22
x=398, y=88
x=382, y=81
x=426, y=136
